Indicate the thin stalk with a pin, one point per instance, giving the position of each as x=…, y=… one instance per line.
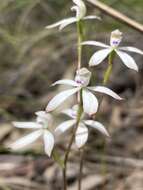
x=106, y=77
x=79, y=99
x=80, y=110
x=81, y=169
x=80, y=39
x=109, y=68
x=107, y=74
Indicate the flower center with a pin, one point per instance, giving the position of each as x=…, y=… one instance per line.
x=116, y=37
x=83, y=76
x=80, y=82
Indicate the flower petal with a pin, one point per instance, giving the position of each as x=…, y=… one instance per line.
x=60, y=98
x=55, y=24
x=81, y=136
x=90, y=102
x=99, y=56
x=62, y=23
x=48, y=142
x=65, y=126
x=105, y=90
x=95, y=43
x=26, y=140
x=66, y=82
x=28, y=125
x=69, y=112
x=97, y=125
x=91, y=17
x=127, y=60
x=67, y=22
x=132, y=49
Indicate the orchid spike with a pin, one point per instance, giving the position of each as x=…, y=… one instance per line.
x=115, y=40
x=80, y=10
x=81, y=135
x=41, y=127
x=80, y=83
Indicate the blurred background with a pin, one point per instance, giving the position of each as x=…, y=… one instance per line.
x=31, y=58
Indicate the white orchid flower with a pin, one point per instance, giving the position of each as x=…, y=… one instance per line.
x=81, y=82
x=116, y=38
x=81, y=135
x=80, y=9
x=41, y=127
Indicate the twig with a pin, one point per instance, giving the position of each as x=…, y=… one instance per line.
x=118, y=15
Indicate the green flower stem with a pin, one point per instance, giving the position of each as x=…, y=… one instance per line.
x=80, y=107
x=105, y=80
x=106, y=77
x=108, y=72
x=80, y=111
x=80, y=39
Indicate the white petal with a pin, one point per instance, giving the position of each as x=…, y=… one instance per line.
x=55, y=24
x=48, y=142
x=99, y=56
x=97, y=125
x=95, y=43
x=105, y=90
x=69, y=112
x=62, y=23
x=91, y=17
x=29, y=125
x=66, y=82
x=44, y=118
x=42, y=114
x=81, y=136
x=65, y=126
x=67, y=22
x=127, y=60
x=132, y=49
x=26, y=140
x=60, y=98
x=90, y=102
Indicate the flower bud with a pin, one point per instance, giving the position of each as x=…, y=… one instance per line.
x=83, y=76
x=80, y=9
x=116, y=37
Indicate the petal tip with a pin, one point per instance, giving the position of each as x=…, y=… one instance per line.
x=14, y=123
x=48, y=109
x=108, y=135
x=137, y=69
x=49, y=154
x=91, y=64
x=99, y=18
x=120, y=98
